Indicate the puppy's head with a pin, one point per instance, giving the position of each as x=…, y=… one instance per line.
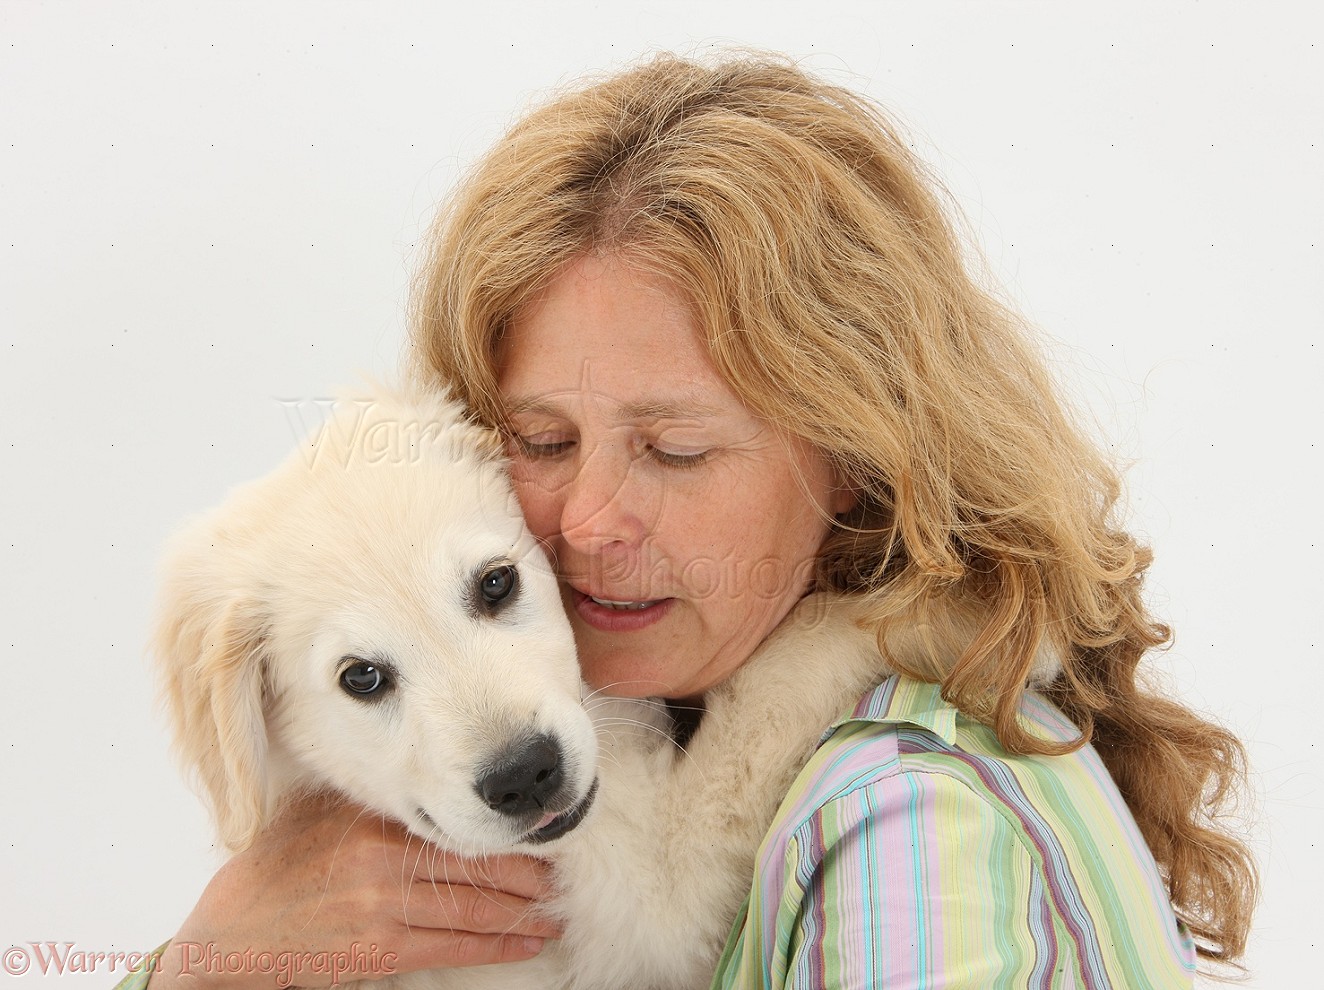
x=375, y=618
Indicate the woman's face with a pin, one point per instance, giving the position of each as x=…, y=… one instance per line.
x=684, y=527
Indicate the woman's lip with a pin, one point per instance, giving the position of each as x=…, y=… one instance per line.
x=609, y=619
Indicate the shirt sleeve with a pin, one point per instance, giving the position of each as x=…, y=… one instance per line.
x=138, y=977
x=915, y=881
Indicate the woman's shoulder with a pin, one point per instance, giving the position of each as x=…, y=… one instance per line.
x=903, y=719
x=903, y=731
x=907, y=800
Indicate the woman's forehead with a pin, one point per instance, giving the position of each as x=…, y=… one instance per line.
x=604, y=331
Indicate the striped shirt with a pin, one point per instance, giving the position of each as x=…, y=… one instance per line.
x=914, y=851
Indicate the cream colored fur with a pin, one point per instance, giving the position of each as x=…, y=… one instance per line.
x=369, y=546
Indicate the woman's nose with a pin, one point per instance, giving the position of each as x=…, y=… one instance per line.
x=603, y=506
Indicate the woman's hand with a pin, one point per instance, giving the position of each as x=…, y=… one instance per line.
x=330, y=885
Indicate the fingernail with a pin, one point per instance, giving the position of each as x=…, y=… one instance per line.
x=533, y=945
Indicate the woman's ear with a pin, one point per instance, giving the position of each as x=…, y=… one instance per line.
x=844, y=496
x=844, y=501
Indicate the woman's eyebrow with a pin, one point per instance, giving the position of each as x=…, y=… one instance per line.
x=647, y=409
x=530, y=404
x=654, y=409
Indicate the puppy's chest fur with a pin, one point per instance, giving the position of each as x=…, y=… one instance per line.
x=653, y=881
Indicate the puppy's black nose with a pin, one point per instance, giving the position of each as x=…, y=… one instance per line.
x=524, y=778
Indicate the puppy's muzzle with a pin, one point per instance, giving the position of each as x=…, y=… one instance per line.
x=527, y=783
x=526, y=778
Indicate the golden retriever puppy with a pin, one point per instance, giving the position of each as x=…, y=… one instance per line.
x=375, y=618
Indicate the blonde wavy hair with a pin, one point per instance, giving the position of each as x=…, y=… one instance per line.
x=836, y=301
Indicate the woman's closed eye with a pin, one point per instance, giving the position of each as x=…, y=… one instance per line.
x=550, y=446
x=677, y=459
x=541, y=447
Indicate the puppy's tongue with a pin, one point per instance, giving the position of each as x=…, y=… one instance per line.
x=545, y=820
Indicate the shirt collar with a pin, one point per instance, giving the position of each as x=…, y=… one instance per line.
x=902, y=700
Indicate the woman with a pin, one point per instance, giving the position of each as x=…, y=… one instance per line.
x=728, y=330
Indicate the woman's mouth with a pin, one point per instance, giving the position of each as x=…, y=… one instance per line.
x=624, y=606
x=618, y=615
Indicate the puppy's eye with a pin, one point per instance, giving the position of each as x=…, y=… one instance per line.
x=364, y=678
x=497, y=584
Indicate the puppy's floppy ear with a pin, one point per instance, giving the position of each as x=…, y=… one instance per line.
x=210, y=652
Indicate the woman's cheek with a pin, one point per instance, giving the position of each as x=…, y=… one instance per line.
x=537, y=501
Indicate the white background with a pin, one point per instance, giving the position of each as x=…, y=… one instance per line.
x=208, y=208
